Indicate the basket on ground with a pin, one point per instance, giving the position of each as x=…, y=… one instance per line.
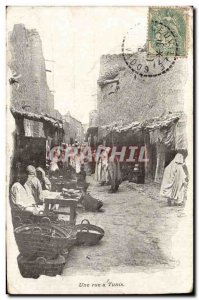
x=46, y=239
x=88, y=234
x=40, y=266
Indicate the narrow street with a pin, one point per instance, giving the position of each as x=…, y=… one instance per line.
x=104, y=90
x=138, y=228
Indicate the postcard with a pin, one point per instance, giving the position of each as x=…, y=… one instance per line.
x=99, y=150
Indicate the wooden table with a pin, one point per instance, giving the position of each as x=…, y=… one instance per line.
x=56, y=202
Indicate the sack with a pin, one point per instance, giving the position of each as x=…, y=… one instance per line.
x=90, y=203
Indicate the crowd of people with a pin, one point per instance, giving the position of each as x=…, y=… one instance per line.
x=30, y=195
x=106, y=167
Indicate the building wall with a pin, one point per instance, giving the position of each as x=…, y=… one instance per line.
x=73, y=129
x=26, y=60
x=56, y=114
x=66, y=127
x=133, y=98
x=93, y=118
x=85, y=127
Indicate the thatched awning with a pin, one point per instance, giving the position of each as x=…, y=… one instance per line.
x=162, y=122
x=162, y=128
x=151, y=124
x=36, y=117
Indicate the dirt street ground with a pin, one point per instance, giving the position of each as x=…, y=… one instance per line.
x=138, y=228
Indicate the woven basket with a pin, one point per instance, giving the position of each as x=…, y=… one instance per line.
x=88, y=234
x=47, y=240
x=67, y=229
x=40, y=266
x=20, y=217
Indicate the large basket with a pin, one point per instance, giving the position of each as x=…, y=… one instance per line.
x=47, y=240
x=88, y=234
x=20, y=217
x=68, y=229
x=40, y=266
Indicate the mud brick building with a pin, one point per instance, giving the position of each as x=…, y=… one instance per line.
x=127, y=103
x=38, y=124
x=27, y=74
x=73, y=129
x=124, y=96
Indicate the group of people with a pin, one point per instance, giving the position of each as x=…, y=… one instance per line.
x=30, y=195
x=174, y=183
x=107, y=172
x=66, y=157
x=107, y=167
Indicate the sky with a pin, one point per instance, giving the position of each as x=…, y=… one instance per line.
x=75, y=38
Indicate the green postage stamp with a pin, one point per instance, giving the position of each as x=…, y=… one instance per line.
x=167, y=31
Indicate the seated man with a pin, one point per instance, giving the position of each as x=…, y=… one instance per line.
x=19, y=196
x=21, y=200
x=33, y=186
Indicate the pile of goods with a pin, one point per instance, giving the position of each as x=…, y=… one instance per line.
x=59, y=183
x=89, y=203
x=71, y=193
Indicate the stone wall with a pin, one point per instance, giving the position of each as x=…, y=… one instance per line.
x=132, y=98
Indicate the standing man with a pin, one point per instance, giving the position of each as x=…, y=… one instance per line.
x=114, y=173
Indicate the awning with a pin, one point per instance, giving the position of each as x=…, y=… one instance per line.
x=151, y=124
x=163, y=121
x=161, y=129
x=36, y=117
